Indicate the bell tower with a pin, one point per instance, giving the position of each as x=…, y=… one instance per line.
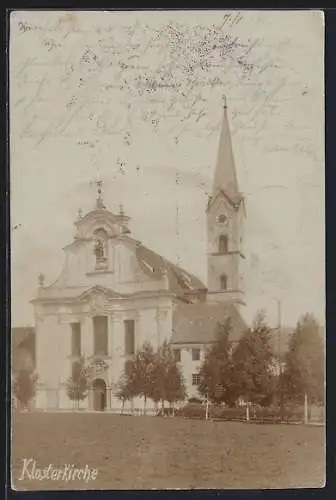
x=225, y=219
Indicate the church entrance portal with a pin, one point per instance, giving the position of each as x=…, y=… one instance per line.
x=99, y=395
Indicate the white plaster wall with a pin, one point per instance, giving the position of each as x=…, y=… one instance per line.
x=188, y=367
x=47, y=346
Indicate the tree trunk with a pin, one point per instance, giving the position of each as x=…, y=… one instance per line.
x=207, y=409
x=305, y=408
x=145, y=402
x=122, y=407
x=248, y=412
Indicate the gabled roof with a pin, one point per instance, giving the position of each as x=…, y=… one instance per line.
x=197, y=323
x=102, y=290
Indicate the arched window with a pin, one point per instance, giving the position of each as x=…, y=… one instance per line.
x=100, y=247
x=223, y=282
x=223, y=244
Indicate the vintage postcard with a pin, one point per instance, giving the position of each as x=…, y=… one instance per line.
x=167, y=249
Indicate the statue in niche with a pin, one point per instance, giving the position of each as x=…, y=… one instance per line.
x=99, y=249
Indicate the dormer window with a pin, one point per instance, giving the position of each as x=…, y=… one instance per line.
x=100, y=248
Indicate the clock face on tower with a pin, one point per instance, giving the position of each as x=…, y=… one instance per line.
x=223, y=219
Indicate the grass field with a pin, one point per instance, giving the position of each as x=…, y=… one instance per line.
x=160, y=453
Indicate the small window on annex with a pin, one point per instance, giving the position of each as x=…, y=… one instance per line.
x=196, y=354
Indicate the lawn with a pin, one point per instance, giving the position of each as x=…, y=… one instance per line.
x=151, y=452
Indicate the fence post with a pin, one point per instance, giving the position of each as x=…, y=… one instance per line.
x=248, y=412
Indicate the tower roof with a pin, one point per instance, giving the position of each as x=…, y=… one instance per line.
x=225, y=173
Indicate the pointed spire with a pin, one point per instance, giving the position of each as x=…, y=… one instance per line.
x=225, y=173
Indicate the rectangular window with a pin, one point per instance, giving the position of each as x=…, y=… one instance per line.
x=196, y=379
x=76, y=347
x=177, y=355
x=129, y=326
x=100, y=335
x=196, y=354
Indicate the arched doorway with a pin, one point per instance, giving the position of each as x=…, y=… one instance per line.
x=99, y=394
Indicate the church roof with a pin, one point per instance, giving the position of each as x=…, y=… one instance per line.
x=181, y=282
x=197, y=323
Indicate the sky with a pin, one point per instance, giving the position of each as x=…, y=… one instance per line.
x=137, y=98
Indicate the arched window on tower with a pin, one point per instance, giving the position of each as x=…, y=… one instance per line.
x=100, y=248
x=223, y=282
x=223, y=244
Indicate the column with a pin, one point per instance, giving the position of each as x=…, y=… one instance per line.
x=118, y=342
x=160, y=322
x=87, y=336
x=63, y=350
x=138, y=334
x=108, y=397
x=110, y=342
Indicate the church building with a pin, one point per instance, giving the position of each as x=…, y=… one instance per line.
x=114, y=294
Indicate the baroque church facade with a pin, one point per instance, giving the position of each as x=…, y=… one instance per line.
x=114, y=294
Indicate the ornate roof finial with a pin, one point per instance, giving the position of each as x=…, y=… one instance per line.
x=99, y=202
x=80, y=213
x=121, y=209
x=41, y=279
x=224, y=101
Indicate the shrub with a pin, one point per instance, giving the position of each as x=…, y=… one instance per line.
x=191, y=410
x=195, y=400
x=290, y=413
x=223, y=413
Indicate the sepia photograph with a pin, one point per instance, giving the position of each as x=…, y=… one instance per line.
x=167, y=213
